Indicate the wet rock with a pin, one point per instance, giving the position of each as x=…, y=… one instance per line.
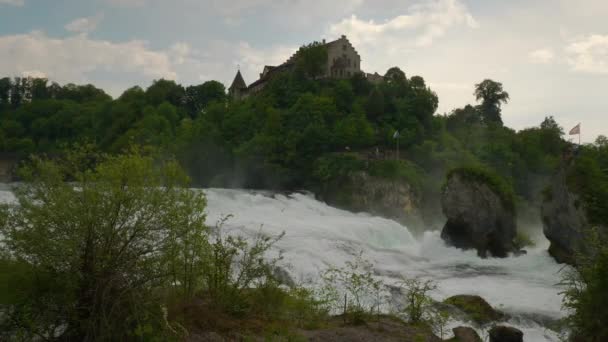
x=565, y=222
x=479, y=217
x=465, y=334
x=476, y=308
x=390, y=198
x=501, y=333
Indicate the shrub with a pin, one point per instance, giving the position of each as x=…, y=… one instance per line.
x=234, y=265
x=99, y=249
x=352, y=289
x=418, y=303
x=585, y=295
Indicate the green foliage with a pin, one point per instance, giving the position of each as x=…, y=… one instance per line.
x=311, y=59
x=104, y=243
x=234, y=265
x=492, y=96
x=588, y=177
x=397, y=170
x=418, y=303
x=487, y=177
x=281, y=137
x=335, y=166
x=352, y=289
x=585, y=294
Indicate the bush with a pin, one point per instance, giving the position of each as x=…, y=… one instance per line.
x=352, y=289
x=99, y=250
x=585, y=295
x=417, y=308
x=234, y=266
x=496, y=183
x=587, y=179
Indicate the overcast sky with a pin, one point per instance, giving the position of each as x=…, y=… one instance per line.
x=550, y=55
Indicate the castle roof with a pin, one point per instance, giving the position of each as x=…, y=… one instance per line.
x=239, y=82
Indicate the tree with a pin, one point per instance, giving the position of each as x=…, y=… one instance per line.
x=165, y=90
x=375, y=105
x=98, y=252
x=311, y=59
x=198, y=97
x=492, y=96
x=395, y=75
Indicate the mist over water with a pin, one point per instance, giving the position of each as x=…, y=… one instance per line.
x=317, y=235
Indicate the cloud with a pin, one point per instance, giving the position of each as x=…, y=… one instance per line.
x=127, y=3
x=589, y=54
x=542, y=56
x=84, y=25
x=420, y=27
x=12, y=2
x=71, y=59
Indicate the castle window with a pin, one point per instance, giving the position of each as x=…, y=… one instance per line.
x=348, y=73
x=343, y=47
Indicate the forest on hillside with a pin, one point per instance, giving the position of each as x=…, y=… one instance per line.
x=298, y=133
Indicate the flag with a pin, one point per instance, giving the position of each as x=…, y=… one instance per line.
x=396, y=135
x=575, y=130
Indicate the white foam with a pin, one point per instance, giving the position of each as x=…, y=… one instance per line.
x=317, y=235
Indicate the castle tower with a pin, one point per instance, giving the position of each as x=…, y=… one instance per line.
x=238, y=88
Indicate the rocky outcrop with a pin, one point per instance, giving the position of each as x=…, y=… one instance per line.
x=501, y=333
x=465, y=334
x=478, y=216
x=394, y=199
x=565, y=222
x=475, y=308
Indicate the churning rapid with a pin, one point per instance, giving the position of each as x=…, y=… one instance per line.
x=317, y=235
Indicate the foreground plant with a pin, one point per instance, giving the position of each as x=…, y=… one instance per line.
x=585, y=295
x=96, y=253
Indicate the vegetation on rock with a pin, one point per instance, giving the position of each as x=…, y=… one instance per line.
x=476, y=308
x=497, y=184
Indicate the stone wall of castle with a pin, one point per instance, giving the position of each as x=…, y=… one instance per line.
x=343, y=61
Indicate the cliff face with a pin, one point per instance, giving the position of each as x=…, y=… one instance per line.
x=477, y=218
x=565, y=222
x=394, y=199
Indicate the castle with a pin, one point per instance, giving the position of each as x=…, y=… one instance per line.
x=343, y=61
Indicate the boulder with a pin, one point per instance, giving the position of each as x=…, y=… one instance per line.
x=480, y=213
x=501, y=333
x=466, y=334
x=565, y=221
x=476, y=308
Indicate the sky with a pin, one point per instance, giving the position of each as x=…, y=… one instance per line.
x=550, y=55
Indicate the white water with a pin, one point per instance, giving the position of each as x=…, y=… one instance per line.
x=317, y=235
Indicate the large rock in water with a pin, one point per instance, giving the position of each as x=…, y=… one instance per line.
x=479, y=216
x=465, y=334
x=476, y=308
x=565, y=221
x=501, y=333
